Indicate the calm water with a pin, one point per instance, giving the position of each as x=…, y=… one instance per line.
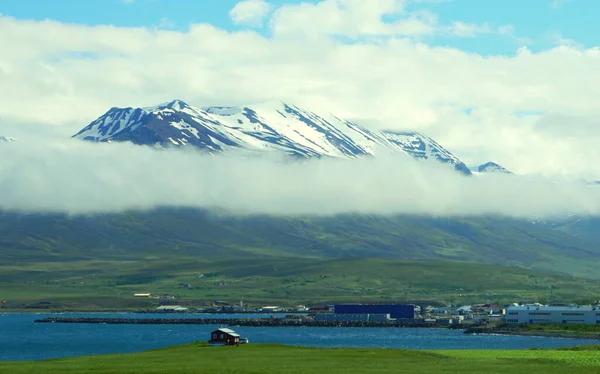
x=21, y=339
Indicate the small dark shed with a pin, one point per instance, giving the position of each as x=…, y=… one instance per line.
x=224, y=336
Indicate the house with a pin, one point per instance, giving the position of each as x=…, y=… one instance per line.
x=223, y=336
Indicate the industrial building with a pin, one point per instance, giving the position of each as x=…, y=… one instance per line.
x=327, y=317
x=535, y=314
x=396, y=311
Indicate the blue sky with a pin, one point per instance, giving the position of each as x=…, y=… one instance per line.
x=537, y=23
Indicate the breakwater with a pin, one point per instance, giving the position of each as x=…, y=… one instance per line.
x=251, y=322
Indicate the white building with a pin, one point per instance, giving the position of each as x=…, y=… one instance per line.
x=171, y=309
x=270, y=309
x=534, y=314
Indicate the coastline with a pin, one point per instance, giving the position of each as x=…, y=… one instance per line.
x=527, y=332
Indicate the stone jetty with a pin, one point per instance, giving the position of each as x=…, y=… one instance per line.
x=253, y=322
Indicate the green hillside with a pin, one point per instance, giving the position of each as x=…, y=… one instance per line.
x=192, y=232
x=100, y=261
x=284, y=281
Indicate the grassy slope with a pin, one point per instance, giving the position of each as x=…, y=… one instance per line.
x=99, y=261
x=284, y=281
x=196, y=358
x=189, y=232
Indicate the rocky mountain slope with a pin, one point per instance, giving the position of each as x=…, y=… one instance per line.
x=491, y=167
x=268, y=127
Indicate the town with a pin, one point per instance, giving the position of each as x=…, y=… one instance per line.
x=515, y=313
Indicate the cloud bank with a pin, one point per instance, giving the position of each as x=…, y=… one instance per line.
x=79, y=178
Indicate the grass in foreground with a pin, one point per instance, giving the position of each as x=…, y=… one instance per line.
x=199, y=358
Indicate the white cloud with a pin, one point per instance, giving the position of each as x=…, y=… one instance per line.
x=165, y=23
x=559, y=40
x=352, y=19
x=58, y=77
x=469, y=29
x=251, y=13
x=80, y=177
x=557, y=4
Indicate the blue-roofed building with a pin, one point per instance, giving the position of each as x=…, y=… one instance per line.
x=396, y=311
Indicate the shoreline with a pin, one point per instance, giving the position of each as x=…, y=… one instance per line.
x=538, y=333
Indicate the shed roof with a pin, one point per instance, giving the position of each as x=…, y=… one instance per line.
x=228, y=331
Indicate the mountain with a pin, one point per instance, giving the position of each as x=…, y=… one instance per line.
x=274, y=126
x=491, y=167
x=175, y=233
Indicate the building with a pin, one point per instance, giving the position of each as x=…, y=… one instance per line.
x=270, y=309
x=394, y=310
x=142, y=295
x=224, y=336
x=535, y=314
x=328, y=317
x=171, y=309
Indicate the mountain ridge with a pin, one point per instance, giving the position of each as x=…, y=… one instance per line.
x=267, y=127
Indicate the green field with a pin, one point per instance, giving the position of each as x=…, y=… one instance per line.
x=260, y=359
x=93, y=285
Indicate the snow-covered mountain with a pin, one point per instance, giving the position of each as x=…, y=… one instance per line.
x=491, y=167
x=274, y=126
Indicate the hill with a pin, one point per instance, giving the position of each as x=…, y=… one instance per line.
x=192, y=232
x=258, y=281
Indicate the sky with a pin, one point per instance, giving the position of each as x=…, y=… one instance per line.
x=539, y=24
x=515, y=82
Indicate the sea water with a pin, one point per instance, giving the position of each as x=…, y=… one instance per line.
x=22, y=339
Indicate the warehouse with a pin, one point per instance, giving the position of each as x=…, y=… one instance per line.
x=534, y=314
x=326, y=317
x=396, y=311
